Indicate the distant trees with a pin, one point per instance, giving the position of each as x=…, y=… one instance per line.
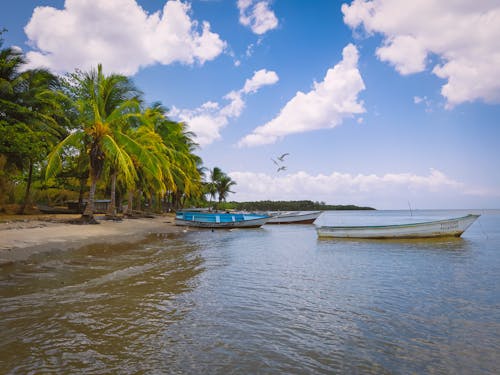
x=305, y=205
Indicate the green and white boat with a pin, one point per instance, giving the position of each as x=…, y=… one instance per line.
x=439, y=228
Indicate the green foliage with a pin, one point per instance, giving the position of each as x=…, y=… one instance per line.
x=31, y=119
x=219, y=186
x=59, y=132
x=56, y=132
x=305, y=205
x=55, y=196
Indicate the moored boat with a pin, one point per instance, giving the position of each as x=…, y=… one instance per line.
x=220, y=220
x=439, y=228
x=56, y=209
x=293, y=217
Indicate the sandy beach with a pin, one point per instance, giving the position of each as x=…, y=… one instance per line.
x=21, y=239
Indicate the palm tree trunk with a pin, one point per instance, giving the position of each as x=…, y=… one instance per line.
x=88, y=214
x=28, y=189
x=151, y=202
x=112, y=204
x=139, y=200
x=130, y=202
x=83, y=182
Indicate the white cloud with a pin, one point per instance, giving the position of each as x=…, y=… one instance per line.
x=207, y=120
x=463, y=34
x=392, y=189
x=119, y=34
x=257, y=15
x=325, y=106
x=260, y=78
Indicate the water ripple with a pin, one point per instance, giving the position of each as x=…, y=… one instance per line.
x=274, y=300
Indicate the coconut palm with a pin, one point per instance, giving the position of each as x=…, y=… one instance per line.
x=105, y=105
x=181, y=175
x=215, y=175
x=31, y=114
x=219, y=185
x=149, y=155
x=224, y=187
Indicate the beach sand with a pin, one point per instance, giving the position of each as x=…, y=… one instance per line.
x=21, y=239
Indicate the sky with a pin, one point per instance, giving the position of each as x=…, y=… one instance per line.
x=381, y=103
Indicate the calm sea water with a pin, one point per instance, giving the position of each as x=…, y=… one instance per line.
x=265, y=301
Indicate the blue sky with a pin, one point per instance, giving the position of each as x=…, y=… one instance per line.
x=379, y=103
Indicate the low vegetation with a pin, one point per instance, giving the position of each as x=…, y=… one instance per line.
x=304, y=205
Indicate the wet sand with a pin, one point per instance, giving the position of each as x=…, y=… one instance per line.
x=21, y=239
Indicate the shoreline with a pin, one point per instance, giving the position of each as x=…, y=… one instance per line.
x=19, y=240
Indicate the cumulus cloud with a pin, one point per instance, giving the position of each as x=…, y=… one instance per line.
x=464, y=35
x=207, y=120
x=325, y=106
x=343, y=188
x=119, y=34
x=257, y=15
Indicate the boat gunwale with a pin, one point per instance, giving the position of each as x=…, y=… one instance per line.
x=255, y=222
x=260, y=217
x=222, y=222
x=294, y=217
x=398, y=225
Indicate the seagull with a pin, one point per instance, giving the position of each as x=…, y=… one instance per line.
x=282, y=157
x=282, y=168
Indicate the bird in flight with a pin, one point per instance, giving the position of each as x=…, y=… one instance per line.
x=278, y=163
x=282, y=157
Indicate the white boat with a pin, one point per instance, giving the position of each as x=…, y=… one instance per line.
x=220, y=220
x=440, y=228
x=293, y=217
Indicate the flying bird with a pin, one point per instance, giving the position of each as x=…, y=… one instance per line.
x=282, y=157
x=279, y=162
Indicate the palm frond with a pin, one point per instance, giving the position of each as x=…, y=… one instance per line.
x=54, y=160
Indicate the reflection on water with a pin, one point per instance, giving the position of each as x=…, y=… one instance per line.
x=271, y=300
x=100, y=308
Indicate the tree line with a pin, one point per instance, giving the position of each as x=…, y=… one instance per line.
x=87, y=134
x=304, y=205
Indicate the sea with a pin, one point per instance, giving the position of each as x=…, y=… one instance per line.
x=273, y=300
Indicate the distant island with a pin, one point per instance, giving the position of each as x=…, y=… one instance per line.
x=305, y=205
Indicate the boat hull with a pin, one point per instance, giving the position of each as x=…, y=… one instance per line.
x=220, y=221
x=440, y=228
x=294, y=217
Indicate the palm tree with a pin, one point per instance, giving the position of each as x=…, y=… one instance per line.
x=220, y=185
x=224, y=187
x=181, y=175
x=31, y=112
x=215, y=176
x=105, y=105
x=149, y=155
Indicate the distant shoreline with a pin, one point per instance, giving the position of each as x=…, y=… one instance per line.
x=303, y=205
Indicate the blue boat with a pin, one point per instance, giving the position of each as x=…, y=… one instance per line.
x=220, y=220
